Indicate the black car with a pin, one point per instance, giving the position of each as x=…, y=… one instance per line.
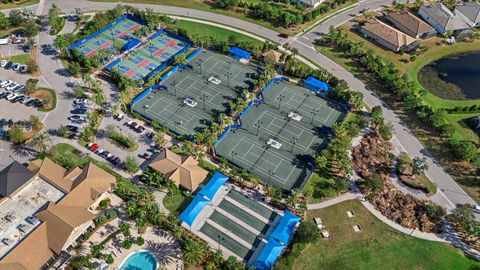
x=4, y=94
x=115, y=161
x=72, y=128
x=38, y=103
x=104, y=154
x=140, y=129
x=19, y=98
x=9, y=65
x=79, y=111
x=31, y=101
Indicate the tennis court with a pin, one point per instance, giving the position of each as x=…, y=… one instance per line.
x=288, y=165
x=166, y=105
x=152, y=57
x=120, y=31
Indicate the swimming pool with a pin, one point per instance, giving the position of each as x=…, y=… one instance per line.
x=140, y=260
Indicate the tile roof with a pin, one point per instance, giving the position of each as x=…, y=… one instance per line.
x=184, y=171
x=410, y=22
x=388, y=33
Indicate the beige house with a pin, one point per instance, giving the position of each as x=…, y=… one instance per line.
x=183, y=171
x=272, y=57
x=62, y=223
x=387, y=36
x=411, y=24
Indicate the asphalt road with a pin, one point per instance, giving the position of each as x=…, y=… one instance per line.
x=450, y=192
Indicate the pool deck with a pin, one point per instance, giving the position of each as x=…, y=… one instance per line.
x=159, y=242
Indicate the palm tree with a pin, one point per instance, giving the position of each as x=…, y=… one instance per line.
x=39, y=142
x=160, y=140
x=35, y=122
x=87, y=80
x=193, y=252
x=63, y=131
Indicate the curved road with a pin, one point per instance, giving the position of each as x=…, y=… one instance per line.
x=449, y=193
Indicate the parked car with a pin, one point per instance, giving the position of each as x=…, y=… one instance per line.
x=92, y=147
x=30, y=102
x=12, y=96
x=73, y=128
x=78, y=111
x=37, y=103
x=12, y=86
x=19, y=98
x=8, y=65
x=4, y=94
x=3, y=63
x=5, y=83
x=16, y=66
x=120, y=117
x=80, y=101
x=283, y=35
x=27, y=99
x=77, y=118
x=140, y=129
x=146, y=156
x=23, y=69
x=115, y=161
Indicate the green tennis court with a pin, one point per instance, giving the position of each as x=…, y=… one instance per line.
x=167, y=107
x=244, y=216
x=287, y=164
x=252, y=205
x=234, y=227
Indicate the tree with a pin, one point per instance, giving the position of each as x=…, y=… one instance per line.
x=386, y=131
x=16, y=17
x=307, y=232
x=63, y=131
x=32, y=66
x=233, y=264
x=131, y=164
x=435, y=211
x=159, y=140
x=78, y=14
x=39, y=142
x=193, y=253
x=35, y=122
x=31, y=85
x=78, y=92
x=376, y=116
x=17, y=135
x=74, y=68
x=419, y=165
x=30, y=28
x=373, y=183
x=462, y=214
x=4, y=22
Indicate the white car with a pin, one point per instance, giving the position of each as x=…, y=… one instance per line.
x=214, y=80
x=27, y=99
x=5, y=83
x=3, y=63
x=295, y=116
x=12, y=96
x=77, y=118
x=12, y=86
x=80, y=101
x=189, y=102
x=16, y=66
x=274, y=143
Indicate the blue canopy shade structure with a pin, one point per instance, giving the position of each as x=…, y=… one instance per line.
x=270, y=253
x=193, y=209
x=238, y=53
x=211, y=188
x=315, y=85
x=286, y=228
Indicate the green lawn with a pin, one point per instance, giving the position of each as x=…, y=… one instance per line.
x=320, y=188
x=377, y=246
x=17, y=4
x=174, y=202
x=204, y=5
x=21, y=58
x=205, y=30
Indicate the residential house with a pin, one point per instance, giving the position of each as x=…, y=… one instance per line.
x=410, y=24
x=182, y=170
x=13, y=178
x=442, y=19
x=387, y=36
x=469, y=12
x=62, y=222
x=309, y=3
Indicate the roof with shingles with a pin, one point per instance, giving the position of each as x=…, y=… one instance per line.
x=12, y=177
x=409, y=21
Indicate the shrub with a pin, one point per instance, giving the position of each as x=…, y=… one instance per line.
x=103, y=203
x=127, y=244
x=140, y=241
x=131, y=165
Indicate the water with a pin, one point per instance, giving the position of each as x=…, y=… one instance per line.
x=453, y=77
x=142, y=260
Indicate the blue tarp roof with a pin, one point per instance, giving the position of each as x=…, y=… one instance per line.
x=315, y=84
x=193, y=209
x=269, y=255
x=211, y=188
x=239, y=53
x=285, y=229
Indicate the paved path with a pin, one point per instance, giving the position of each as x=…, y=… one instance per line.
x=344, y=197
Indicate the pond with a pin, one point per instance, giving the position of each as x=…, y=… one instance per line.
x=453, y=77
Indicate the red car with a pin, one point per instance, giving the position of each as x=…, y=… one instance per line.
x=93, y=147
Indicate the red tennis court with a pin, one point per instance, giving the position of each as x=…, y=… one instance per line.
x=130, y=73
x=144, y=63
x=106, y=45
x=91, y=53
x=171, y=43
x=122, y=35
x=134, y=27
x=159, y=52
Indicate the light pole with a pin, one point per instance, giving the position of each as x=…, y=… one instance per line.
x=200, y=64
x=258, y=124
x=233, y=155
x=293, y=143
x=280, y=99
x=314, y=113
x=204, y=97
x=175, y=87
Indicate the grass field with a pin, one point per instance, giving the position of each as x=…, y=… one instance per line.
x=377, y=246
x=174, y=202
x=48, y=95
x=20, y=58
x=17, y=4
x=195, y=28
x=203, y=5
